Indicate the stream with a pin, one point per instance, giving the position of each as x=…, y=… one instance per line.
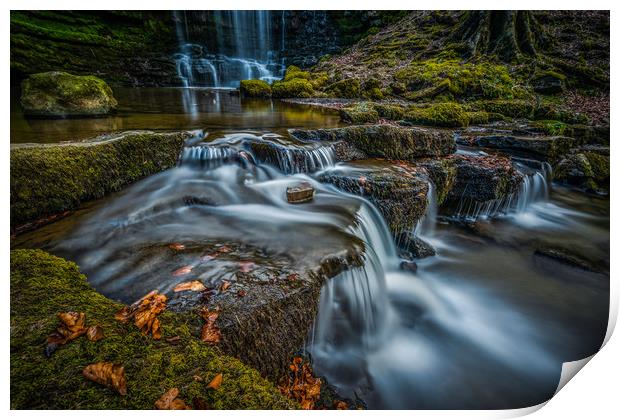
x=484, y=324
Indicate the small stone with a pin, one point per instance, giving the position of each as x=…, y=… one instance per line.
x=300, y=193
x=409, y=266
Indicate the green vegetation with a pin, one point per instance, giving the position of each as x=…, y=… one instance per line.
x=43, y=285
x=60, y=94
x=346, y=88
x=441, y=115
x=255, y=88
x=47, y=180
x=361, y=113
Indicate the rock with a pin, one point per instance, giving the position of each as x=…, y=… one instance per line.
x=414, y=247
x=398, y=192
x=387, y=141
x=360, y=113
x=50, y=179
x=409, y=266
x=300, y=193
x=548, y=82
x=586, y=167
x=255, y=88
x=546, y=148
x=570, y=257
x=59, y=94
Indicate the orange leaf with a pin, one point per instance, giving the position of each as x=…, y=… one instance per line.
x=111, y=375
x=224, y=286
x=241, y=293
x=94, y=333
x=71, y=327
x=177, y=247
x=340, y=405
x=216, y=382
x=169, y=401
x=183, y=270
x=210, y=332
x=224, y=249
x=144, y=313
x=194, y=286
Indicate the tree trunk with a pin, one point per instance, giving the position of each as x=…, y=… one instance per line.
x=504, y=33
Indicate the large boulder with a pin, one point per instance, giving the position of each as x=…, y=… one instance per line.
x=386, y=140
x=58, y=94
x=587, y=167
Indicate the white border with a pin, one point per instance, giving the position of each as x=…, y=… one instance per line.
x=592, y=394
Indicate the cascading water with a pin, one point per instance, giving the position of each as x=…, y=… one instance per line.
x=244, y=47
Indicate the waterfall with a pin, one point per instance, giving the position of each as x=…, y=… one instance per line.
x=426, y=226
x=240, y=45
x=535, y=188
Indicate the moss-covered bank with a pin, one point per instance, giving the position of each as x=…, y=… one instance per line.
x=43, y=285
x=46, y=180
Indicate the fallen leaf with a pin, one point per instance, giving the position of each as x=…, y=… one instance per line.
x=292, y=277
x=216, y=382
x=145, y=313
x=194, y=286
x=340, y=405
x=224, y=249
x=169, y=401
x=300, y=384
x=111, y=375
x=210, y=332
x=177, y=247
x=224, y=286
x=71, y=327
x=246, y=266
x=200, y=404
x=241, y=293
x=183, y=270
x=94, y=333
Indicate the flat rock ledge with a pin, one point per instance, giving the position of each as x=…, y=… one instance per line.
x=47, y=180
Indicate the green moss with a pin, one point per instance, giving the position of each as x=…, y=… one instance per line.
x=361, y=113
x=478, y=117
x=295, y=88
x=255, y=88
x=43, y=285
x=600, y=166
x=461, y=79
x=346, y=88
x=442, y=115
x=390, y=112
x=515, y=108
x=294, y=72
x=552, y=128
x=63, y=94
x=50, y=180
x=319, y=80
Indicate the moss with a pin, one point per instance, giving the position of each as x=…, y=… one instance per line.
x=43, y=285
x=600, y=166
x=390, y=112
x=294, y=72
x=319, y=80
x=346, y=88
x=552, y=128
x=515, y=108
x=360, y=113
x=63, y=94
x=441, y=115
x=461, y=79
x=49, y=180
x=295, y=88
x=478, y=117
x=255, y=88
x=548, y=110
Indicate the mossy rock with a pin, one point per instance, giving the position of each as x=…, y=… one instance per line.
x=600, y=165
x=447, y=114
x=346, y=88
x=255, y=88
x=43, y=285
x=46, y=180
x=552, y=128
x=390, y=112
x=360, y=113
x=294, y=88
x=548, y=82
x=59, y=94
x=294, y=72
x=514, y=108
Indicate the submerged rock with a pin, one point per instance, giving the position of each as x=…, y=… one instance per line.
x=60, y=94
x=300, y=193
x=386, y=141
x=412, y=247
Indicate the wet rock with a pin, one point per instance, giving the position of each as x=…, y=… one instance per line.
x=293, y=158
x=586, y=167
x=387, y=141
x=398, y=192
x=548, y=83
x=59, y=94
x=300, y=193
x=572, y=258
x=546, y=148
x=413, y=247
x=409, y=266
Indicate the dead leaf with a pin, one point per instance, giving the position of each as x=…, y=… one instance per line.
x=224, y=249
x=224, y=286
x=216, y=382
x=111, y=375
x=210, y=332
x=194, y=286
x=292, y=277
x=246, y=266
x=300, y=384
x=183, y=271
x=71, y=327
x=94, y=333
x=169, y=401
x=177, y=247
x=340, y=405
x=145, y=313
x=241, y=293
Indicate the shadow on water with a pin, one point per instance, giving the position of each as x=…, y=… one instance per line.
x=172, y=109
